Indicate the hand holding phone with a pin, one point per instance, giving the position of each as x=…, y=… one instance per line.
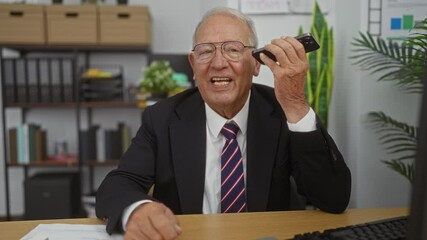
x=307, y=40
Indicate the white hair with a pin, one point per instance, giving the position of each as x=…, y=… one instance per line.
x=253, y=39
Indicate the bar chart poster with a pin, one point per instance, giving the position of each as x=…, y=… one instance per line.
x=400, y=17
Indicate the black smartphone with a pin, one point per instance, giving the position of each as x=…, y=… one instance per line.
x=307, y=39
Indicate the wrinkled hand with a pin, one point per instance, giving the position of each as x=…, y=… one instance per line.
x=152, y=221
x=289, y=73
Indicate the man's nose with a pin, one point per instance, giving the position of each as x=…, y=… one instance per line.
x=218, y=60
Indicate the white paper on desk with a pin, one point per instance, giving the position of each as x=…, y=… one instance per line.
x=58, y=231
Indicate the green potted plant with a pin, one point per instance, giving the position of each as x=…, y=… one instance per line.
x=158, y=79
x=320, y=77
x=404, y=63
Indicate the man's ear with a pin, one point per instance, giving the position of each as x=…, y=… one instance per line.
x=191, y=60
x=257, y=68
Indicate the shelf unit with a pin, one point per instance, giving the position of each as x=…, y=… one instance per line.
x=76, y=104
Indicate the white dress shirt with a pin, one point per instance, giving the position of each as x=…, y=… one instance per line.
x=214, y=144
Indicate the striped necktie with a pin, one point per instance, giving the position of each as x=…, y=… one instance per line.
x=233, y=193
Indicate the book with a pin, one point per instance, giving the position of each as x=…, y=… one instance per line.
x=113, y=145
x=21, y=153
x=88, y=144
x=125, y=135
x=40, y=145
x=13, y=150
x=31, y=141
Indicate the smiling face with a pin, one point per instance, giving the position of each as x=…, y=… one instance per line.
x=223, y=84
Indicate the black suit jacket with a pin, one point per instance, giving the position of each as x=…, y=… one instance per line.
x=169, y=151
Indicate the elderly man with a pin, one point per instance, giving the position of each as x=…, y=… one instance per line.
x=227, y=145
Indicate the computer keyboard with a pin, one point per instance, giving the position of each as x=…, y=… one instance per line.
x=386, y=229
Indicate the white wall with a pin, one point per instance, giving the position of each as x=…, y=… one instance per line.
x=355, y=92
x=344, y=121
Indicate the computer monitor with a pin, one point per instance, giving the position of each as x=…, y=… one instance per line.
x=417, y=222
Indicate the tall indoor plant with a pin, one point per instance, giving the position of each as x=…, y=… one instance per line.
x=404, y=64
x=320, y=78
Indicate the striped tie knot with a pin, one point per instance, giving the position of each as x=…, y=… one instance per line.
x=230, y=130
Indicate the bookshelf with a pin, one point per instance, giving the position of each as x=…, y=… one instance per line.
x=35, y=94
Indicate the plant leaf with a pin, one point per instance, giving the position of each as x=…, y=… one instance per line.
x=398, y=138
x=402, y=63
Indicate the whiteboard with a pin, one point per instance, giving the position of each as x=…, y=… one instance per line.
x=264, y=6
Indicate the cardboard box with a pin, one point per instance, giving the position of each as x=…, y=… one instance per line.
x=72, y=24
x=129, y=25
x=22, y=24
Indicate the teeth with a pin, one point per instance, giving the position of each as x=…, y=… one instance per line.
x=220, y=81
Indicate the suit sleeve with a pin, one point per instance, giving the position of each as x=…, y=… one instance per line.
x=319, y=170
x=131, y=181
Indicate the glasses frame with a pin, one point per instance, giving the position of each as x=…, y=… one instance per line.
x=215, y=44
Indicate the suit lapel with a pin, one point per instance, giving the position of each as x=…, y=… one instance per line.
x=188, y=148
x=262, y=138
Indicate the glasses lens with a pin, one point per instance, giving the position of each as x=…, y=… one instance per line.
x=233, y=50
x=204, y=52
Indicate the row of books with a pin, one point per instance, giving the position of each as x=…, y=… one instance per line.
x=27, y=143
x=39, y=80
x=116, y=142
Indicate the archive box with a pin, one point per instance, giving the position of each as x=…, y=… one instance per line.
x=72, y=24
x=129, y=25
x=22, y=24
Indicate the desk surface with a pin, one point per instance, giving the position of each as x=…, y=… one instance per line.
x=282, y=225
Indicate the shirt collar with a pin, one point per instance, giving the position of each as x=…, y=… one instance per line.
x=215, y=122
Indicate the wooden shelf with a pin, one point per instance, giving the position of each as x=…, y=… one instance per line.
x=112, y=104
x=104, y=163
x=108, y=104
x=65, y=163
x=46, y=164
x=41, y=105
x=79, y=48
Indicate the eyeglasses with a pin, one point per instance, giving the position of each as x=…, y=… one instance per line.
x=231, y=50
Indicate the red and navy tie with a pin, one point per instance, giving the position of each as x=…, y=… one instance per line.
x=233, y=193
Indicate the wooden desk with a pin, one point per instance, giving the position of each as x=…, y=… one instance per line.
x=282, y=225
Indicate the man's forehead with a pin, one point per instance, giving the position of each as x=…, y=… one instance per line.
x=215, y=24
x=221, y=17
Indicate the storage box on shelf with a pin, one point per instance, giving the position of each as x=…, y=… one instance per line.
x=22, y=24
x=72, y=24
x=124, y=25
x=89, y=25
